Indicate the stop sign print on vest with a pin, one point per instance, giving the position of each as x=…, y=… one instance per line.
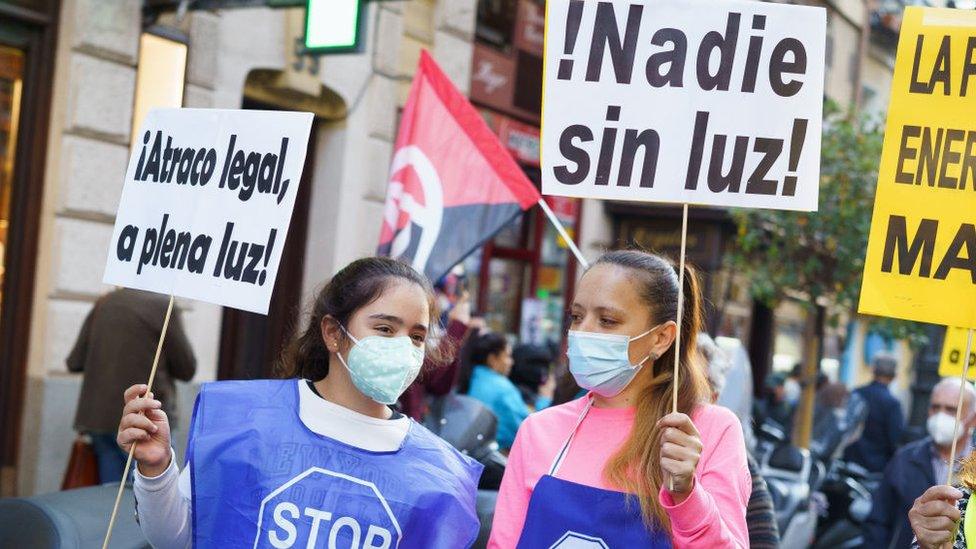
x=322, y=508
x=575, y=540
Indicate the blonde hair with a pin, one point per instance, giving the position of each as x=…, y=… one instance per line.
x=967, y=472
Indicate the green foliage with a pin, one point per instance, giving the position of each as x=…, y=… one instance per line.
x=821, y=254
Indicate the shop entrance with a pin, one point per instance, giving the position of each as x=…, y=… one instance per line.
x=249, y=342
x=26, y=54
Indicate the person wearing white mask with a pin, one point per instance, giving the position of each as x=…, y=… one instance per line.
x=920, y=465
x=318, y=458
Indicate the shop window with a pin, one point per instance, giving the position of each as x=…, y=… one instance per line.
x=525, y=275
x=528, y=82
x=788, y=335
x=507, y=282
x=513, y=235
x=11, y=86
x=496, y=21
x=552, y=282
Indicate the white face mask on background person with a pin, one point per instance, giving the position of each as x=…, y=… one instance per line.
x=791, y=391
x=940, y=427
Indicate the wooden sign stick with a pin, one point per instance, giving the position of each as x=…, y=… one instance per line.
x=132, y=447
x=962, y=391
x=681, y=302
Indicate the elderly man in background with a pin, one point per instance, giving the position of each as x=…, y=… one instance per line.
x=920, y=465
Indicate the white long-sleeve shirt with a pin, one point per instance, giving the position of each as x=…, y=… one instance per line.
x=164, y=501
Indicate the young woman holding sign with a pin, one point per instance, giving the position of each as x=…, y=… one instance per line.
x=284, y=463
x=579, y=470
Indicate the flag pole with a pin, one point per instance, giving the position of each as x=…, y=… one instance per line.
x=562, y=232
x=132, y=447
x=962, y=392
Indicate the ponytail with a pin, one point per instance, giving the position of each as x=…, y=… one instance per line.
x=636, y=467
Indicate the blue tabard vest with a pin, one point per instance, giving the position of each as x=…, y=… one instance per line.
x=261, y=478
x=569, y=515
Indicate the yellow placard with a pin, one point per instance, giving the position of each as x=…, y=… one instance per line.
x=921, y=257
x=953, y=350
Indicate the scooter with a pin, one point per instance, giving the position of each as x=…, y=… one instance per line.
x=848, y=491
x=797, y=477
x=793, y=477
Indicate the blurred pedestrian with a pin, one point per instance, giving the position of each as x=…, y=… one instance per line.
x=775, y=405
x=491, y=357
x=531, y=373
x=920, y=465
x=832, y=419
x=760, y=515
x=114, y=350
x=885, y=422
x=793, y=385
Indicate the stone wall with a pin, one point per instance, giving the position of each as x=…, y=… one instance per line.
x=91, y=116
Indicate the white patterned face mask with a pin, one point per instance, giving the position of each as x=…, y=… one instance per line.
x=383, y=367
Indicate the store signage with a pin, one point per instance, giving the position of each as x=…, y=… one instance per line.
x=522, y=140
x=684, y=101
x=333, y=26
x=492, y=77
x=530, y=27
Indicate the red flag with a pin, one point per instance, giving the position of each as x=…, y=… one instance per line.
x=453, y=185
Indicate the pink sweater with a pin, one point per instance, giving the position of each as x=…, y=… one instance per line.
x=713, y=515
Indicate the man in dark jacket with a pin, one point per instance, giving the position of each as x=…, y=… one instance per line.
x=920, y=465
x=885, y=422
x=115, y=350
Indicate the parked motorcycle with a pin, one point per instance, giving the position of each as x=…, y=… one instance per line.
x=847, y=489
x=812, y=505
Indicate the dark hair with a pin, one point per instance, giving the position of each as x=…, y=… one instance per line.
x=477, y=349
x=635, y=466
x=530, y=365
x=358, y=284
x=485, y=345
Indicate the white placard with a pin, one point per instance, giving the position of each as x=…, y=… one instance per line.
x=714, y=102
x=206, y=205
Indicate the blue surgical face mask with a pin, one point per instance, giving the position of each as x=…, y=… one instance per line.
x=601, y=362
x=383, y=367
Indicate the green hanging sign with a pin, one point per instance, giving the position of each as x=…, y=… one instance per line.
x=333, y=26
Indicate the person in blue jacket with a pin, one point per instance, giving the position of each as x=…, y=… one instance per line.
x=319, y=459
x=885, y=422
x=491, y=356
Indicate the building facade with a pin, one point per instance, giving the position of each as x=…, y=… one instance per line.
x=56, y=222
